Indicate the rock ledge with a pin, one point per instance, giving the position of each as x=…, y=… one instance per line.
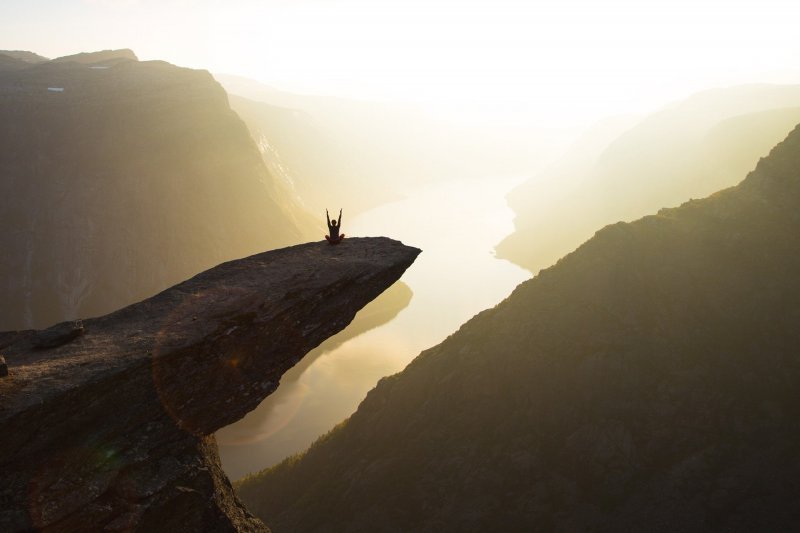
x=113, y=429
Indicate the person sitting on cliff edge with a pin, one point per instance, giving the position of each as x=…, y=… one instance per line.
x=333, y=229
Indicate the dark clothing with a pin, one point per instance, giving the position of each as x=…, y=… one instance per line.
x=333, y=231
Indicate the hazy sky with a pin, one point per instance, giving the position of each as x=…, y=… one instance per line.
x=552, y=58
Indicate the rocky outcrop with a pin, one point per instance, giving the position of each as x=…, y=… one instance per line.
x=120, y=178
x=646, y=382
x=103, y=56
x=110, y=424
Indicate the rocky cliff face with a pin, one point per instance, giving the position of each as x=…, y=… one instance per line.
x=108, y=424
x=646, y=382
x=119, y=178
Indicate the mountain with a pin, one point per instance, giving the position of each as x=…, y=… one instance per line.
x=686, y=150
x=11, y=63
x=24, y=55
x=361, y=154
x=103, y=56
x=321, y=170
x=120, y=178
x=108, y=423
x=646, y=382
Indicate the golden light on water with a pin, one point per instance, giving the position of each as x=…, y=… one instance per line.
x=456, y=223
x=261, y=424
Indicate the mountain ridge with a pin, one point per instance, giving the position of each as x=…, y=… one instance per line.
x=688, y=149
x=645, y=381
x=117, y=182
x=24, y=55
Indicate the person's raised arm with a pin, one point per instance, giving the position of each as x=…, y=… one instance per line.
x=340, y=218
x=328, y=217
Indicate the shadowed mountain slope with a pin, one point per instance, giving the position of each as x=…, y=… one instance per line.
x=121, y=178
x=108, y=424
x=647, y=381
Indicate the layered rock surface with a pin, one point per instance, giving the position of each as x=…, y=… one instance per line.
x=646, y=382
x=109, y=425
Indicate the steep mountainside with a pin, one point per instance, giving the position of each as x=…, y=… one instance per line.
x=687, y=150
x=315, y=164
x=119, y=179
x=108, y=423
x=646, y=382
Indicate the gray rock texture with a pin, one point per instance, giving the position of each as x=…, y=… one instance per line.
x=113, y=429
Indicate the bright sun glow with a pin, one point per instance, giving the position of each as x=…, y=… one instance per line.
x=562, y=59
x=556, y=60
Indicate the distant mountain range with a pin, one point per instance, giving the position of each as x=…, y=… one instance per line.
x=107, y=57
x=361, y=154
x=646, y=382
x=119, y=178
x=23, y=55
x=623, y=170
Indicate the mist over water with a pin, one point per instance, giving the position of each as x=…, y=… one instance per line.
x=456, y=224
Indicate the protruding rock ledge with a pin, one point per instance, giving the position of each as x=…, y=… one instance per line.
x=113, y=428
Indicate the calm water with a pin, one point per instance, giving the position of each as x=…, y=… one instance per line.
x=456, y=224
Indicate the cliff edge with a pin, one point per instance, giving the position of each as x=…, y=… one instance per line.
x=108, y=423
x=646, y=382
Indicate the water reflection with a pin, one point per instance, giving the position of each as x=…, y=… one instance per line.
x=456, y=224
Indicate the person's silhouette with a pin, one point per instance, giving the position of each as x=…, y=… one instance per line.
x=333, y=229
